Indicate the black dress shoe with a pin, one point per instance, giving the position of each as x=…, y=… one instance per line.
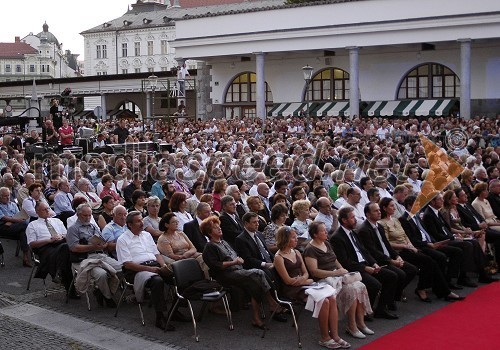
x=385, y=314
x=425, y=300
x=454, y=286
x=110, y=303
x=369, y=317
x=487, y=279
x=280, y=318
x=162, y=324
x=392, y=307
x=99, y=297
x=466, y=283
x=458, y=298
x=179, y=316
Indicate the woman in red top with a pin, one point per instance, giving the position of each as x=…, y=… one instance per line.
x=107, y=182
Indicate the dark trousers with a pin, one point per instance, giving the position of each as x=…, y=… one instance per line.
x=454, y=255
x=385, y=281
x=16, y=231
x=468, y=264
x=54, y=258
x=405, y=275
x=430, y=273
x=158, y=293
x=493, y=237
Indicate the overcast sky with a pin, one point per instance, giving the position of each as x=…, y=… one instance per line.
x=66, y=19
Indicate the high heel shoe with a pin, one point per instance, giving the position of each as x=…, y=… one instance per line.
x=425, y=300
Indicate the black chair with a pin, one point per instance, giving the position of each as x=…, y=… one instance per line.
x=36, y=263
x=186, y=273
x=275, y=287
x=2, y=262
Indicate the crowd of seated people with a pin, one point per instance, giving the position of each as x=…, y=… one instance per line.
x=268, y=203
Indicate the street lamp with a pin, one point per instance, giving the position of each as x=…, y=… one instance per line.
x=153, y=82
x=308, y=71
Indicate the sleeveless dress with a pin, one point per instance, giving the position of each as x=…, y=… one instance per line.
x=349, y=292
x=294, y=269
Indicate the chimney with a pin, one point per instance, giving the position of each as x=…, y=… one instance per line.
x=17, y=39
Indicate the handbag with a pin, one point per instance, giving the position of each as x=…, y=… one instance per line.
x=351, y=277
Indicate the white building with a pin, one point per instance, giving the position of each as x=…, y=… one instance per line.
x=394, y=57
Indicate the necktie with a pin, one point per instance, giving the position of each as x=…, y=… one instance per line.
x=357, y=247
x=422, y=229
x=52, y=230
x=69, y=199
x=384, y=248
x=444, y=225
x=262, y=249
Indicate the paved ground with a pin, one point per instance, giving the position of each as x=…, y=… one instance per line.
x=29, y=313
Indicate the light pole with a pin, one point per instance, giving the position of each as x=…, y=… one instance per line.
x=307, y=70
x=153, y=82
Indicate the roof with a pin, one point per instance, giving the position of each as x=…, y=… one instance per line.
x=144, y=15
x=16, y=50
x=45, y=34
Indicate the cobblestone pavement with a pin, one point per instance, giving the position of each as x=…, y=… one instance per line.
x=20, y=335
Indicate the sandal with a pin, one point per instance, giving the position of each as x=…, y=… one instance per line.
x=343, y=344
x=329, y=344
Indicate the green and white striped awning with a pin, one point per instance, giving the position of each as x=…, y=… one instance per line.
x=295, y=109
x=333, y=109
x=409, y=108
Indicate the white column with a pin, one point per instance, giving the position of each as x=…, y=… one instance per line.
x=104, y=108
x=353, y=81
x=148, y=107
x=465, y=55
x=260, y=85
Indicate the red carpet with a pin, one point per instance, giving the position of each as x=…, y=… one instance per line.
x=472, y=323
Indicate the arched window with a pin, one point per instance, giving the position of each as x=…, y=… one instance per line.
x=429, y=80
x=328, y=85
x=244, y=89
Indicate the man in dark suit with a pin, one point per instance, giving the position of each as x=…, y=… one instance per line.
x=230, y=223
x=192, y=228
x=437, y=227
x=472, y=219
x=494, y=196
x=372, y=236
x=448, y=258
x=251, y=247
x=355, y=257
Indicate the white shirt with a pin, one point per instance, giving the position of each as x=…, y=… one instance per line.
x=29, y=207
x=137, y=249
x=417, y=184
x=326, y=219
x=38, y=231
x=253, y=191
x=183, y=219
x=72, y=219
x=384, y=193
x=355, y=247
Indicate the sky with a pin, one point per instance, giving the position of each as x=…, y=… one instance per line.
x=66, y=19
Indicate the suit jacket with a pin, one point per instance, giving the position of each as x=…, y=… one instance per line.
x=494, y=200
x=346, y=254
x=192, y=230
x=247, y=248
x=435, y=225
x=412, y=231
x=369, y=238
x=230, y=228
x=467, y=219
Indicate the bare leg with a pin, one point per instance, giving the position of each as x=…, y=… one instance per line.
x=333, y=319
x=351, y=317
x=256, y=312
x=323, y=319
x=360, y=314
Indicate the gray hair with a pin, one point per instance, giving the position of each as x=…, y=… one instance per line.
x=115, y=209
x=225, y=200
x=153, y=200
x=4, y=189
x=231, y=188
x=131, y=215
x=83, y=181
x=80, y=208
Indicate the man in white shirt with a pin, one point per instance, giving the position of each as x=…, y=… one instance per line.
x=259, y=178
x=382, y=186
x=325, y=214
x=142, y=261
x=413, y=175
x=353, y=198
x=47, y=237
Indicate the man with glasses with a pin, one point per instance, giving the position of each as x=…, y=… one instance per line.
x=85, y=242
x=325, y=214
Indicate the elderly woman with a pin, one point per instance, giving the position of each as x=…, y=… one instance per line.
x=152, y=221
x=430, y=274
x=175, y=245
x=279, y=214
x=179, y=184
x=227, y=268
x=483, y=207
x=290, y=267
x=352, y=299
x=178, y=206
x=301, y=223
x=342, y=195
